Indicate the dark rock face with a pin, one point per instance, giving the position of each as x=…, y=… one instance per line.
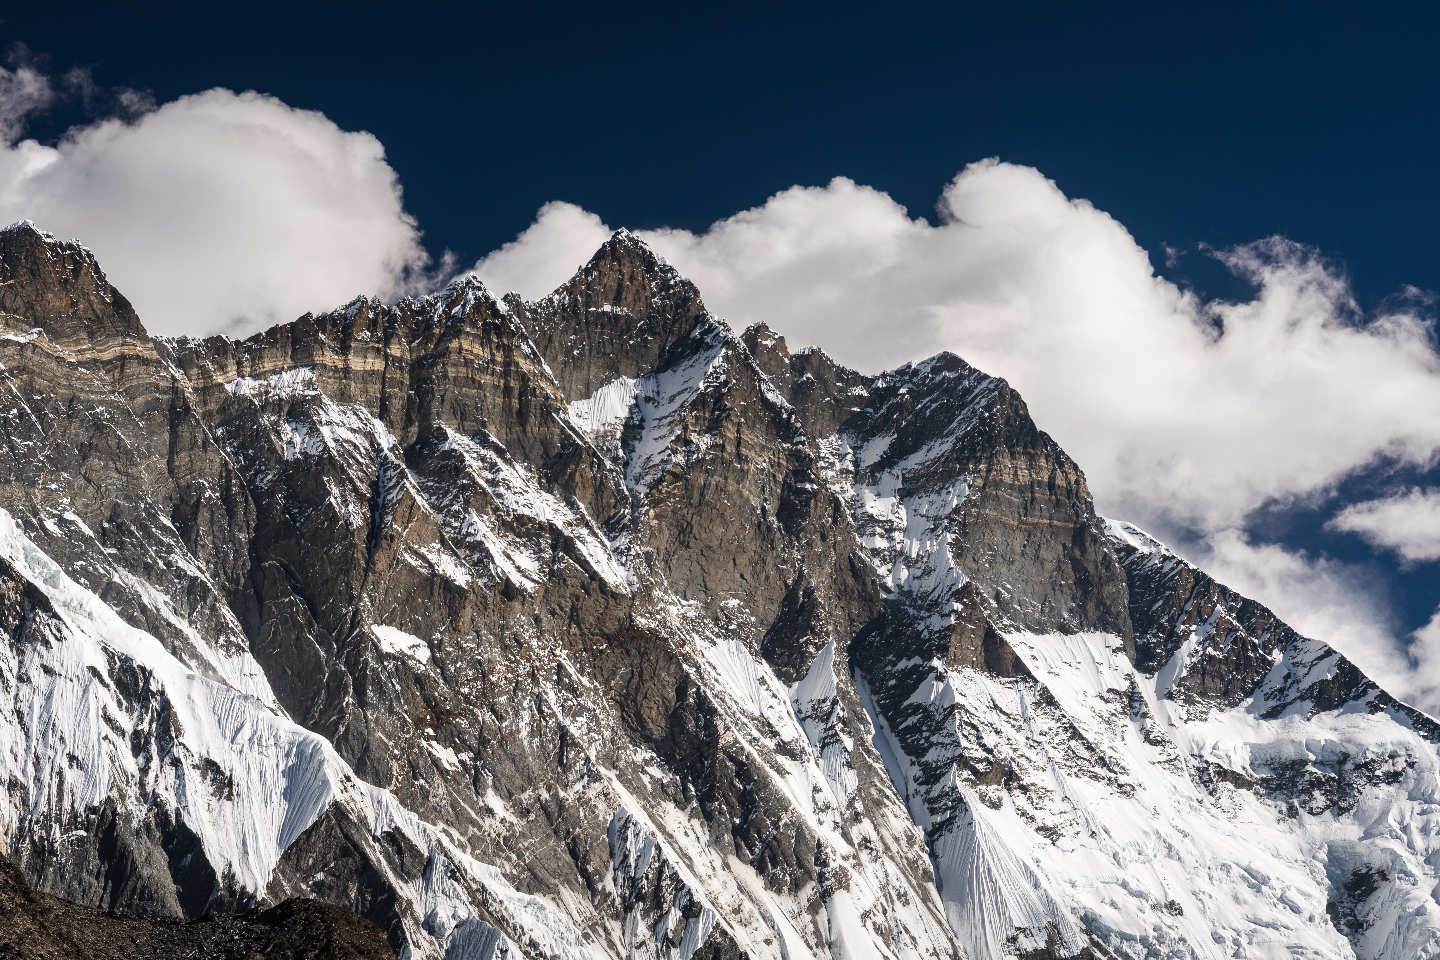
x=585, y=627
x=620, y=316
x=1240, y=643
x=1029, y=538
x=60, y=288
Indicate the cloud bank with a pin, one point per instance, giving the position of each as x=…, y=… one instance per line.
x=1187, y=416
x=218, y=211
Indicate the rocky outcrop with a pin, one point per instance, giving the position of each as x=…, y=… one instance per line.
x=61, y=290
x=1223, y=648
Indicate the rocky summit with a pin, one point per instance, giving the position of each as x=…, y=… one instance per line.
x=588, y=628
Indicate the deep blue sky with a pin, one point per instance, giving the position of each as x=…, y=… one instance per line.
x=1216, y=123
x=1190, y=123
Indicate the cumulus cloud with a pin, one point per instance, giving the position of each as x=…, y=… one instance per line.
x=1186, y=415
x=1424, y=655
x=218, y=212
x=562, y=238
x=1408, y=523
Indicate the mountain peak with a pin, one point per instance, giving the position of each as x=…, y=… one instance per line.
x=770, y=353
x=624, y=239
x=616, y=317
x=58, y=286
x=635, y=259
x=28, y=226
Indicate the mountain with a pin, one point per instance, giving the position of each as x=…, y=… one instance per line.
x=588, y=628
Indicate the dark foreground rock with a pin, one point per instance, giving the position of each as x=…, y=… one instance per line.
x=38, y=927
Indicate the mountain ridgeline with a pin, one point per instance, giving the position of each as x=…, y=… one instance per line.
x=588, y=628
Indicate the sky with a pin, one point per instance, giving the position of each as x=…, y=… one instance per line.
x=1199, y=239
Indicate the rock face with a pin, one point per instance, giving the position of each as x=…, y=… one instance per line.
x=588, y=628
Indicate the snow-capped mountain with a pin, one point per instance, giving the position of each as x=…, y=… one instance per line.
x=586, y=628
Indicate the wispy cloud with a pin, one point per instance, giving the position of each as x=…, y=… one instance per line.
x=24, y=92
x=1407, y=522
x=1424, y=657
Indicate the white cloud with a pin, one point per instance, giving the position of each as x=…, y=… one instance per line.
x=1424, y=654
x=562, y=238
x=1408, y=523
x=1187, y=416
x=218, y=211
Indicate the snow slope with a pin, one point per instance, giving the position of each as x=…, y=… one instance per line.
x=245, y=780
x=1075, y=792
